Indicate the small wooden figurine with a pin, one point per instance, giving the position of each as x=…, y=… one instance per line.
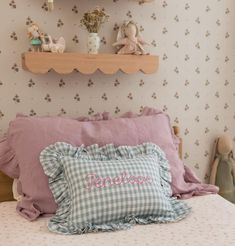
x=223, y=168
x=129, y=40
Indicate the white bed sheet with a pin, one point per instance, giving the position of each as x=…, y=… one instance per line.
x=212, y=222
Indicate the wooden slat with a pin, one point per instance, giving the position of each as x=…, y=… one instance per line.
x=42, y=62
x=5, y=188
x=177, y=133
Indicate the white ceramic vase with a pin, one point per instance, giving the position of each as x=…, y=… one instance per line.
x=93, y=43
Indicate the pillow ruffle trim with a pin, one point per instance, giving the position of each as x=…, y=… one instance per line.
x=50, y=158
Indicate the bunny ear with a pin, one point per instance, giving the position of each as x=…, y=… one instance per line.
x=119, y=35
x=214, y=151
x=232, y=155
x=137, y=29
x=121, y=31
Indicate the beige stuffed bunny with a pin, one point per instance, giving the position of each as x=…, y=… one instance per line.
x=223, y=168
x=129, y=40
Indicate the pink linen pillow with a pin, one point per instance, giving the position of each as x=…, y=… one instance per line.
x=28, y=136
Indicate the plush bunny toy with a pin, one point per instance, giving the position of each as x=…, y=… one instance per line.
x=129, y=40
x=223, y=168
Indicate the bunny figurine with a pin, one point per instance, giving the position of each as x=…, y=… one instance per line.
x=129, y=41
x=223, y=168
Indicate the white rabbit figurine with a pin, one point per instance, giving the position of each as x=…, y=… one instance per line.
x=54, y=46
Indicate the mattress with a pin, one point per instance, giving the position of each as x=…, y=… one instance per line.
x=212, y=222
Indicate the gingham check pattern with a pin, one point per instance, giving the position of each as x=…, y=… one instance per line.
x=114, y=207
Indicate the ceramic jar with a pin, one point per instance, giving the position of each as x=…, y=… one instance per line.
x=93, y=43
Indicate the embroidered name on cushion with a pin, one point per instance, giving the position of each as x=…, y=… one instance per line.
x=94, y=181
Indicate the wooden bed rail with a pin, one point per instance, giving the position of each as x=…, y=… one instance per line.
x=5, y=188
x=177, y=133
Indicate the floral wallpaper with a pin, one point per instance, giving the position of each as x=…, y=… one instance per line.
x=195, y=41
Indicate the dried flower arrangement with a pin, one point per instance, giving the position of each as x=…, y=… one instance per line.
x=93, y=20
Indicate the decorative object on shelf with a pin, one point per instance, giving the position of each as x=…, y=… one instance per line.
x=35, y=36
x=129, y=40
x=93, y=43
x=50, y=4
x=223, y=168
x=44, y=42
x=93, y=21
x=52, y=45
x=43, y=62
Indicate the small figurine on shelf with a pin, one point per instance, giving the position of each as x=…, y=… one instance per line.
x=52, y=45
x=35, y=37
x=44, y=42
x=129, y=40
x=92, y=21
x=50, y=4
x=223, y=168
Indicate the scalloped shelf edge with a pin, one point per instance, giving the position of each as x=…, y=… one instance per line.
x=42, y=62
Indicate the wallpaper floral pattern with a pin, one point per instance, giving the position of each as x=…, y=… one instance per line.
x=195, y=83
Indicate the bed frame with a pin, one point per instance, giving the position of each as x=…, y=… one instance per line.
x=177, y=133
x=5, y=188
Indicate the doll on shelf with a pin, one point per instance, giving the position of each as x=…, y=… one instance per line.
x=129, y=41
x=44, y=42
x=35, y=37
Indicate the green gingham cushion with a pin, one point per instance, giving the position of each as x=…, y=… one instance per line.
x=109, y=188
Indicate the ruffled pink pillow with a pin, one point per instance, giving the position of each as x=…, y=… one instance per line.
x=28, y=136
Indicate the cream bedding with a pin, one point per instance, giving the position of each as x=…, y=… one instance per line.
x=212, y=222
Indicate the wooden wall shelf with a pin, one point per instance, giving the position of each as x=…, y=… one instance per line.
x=41, y=62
